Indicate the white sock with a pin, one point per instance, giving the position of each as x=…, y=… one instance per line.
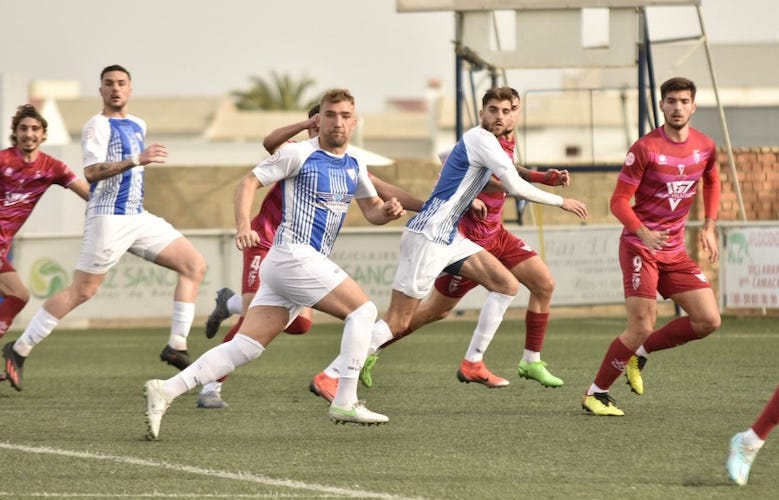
x=593, y=389
x=181, y=323
x=752, y=440
x=380, y=335
x=214, y=364
x=39, y=328
x=332, y=369
x=354, y=349
x=641, y=351
x=235, y=304
x=531, y=356
x=489, y=320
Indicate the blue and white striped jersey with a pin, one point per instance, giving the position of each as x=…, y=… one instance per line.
x=317, y=189
x=110, y=140
x=472, y=161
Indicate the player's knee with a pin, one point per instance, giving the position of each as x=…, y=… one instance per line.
x=299, y=326
x=708, y=325
x=543, y=288
x=366, y=313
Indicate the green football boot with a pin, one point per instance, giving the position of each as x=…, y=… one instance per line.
x=537, y=371
x=365, y=374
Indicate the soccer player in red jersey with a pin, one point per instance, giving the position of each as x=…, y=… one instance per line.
x=745, y=445
x=25, y=175
x=661, y=171
x=483, y=224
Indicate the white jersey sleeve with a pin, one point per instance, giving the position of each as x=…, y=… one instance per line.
x=365, y=187
x=285, y=162
x=94, y=140
x=485, y=150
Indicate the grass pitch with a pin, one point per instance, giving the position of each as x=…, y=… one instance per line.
x=77, y=429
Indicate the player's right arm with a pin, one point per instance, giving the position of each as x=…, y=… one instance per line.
x=245, y=236
x=627, y=185
x=282, y=164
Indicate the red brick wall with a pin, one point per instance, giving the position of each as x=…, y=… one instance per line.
x=757, y=171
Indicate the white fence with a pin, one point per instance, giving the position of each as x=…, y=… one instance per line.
x=583, y=260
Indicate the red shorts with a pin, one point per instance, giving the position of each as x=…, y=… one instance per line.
x=252, y=258
x=510, y=251
x=644, y=274
x=5, y=265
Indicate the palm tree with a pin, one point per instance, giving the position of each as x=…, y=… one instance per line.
x=283, y=92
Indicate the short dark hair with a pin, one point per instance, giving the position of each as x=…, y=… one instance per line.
x=313, y=111
x=677, y=84
x=22, y=112
x=500, y=94
x=115, y=67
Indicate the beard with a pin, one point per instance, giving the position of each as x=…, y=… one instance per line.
x=677, y=125
x=334, y=140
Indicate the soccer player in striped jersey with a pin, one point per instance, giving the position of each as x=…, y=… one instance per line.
x=25, y=174
x=114, y=156
x=483, y=224
x=661, y=171
x=319, y=180
x=265, y=223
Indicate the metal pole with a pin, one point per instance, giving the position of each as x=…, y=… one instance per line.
x=723, y=122
x=642, y=106
x=651, y=71
x=458, y=77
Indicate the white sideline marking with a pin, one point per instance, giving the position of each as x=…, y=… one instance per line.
x=238, y=476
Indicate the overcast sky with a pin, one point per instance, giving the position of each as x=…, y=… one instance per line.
x=208, y=48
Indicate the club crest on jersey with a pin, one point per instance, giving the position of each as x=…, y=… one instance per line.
x=662, y=160
x=696, y=155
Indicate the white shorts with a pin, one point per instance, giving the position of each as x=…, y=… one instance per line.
x=296, y=276
x=108, y=237
x=421, y=261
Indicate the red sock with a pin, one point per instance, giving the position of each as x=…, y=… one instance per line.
x=769, y=417
x=9, y=308
x=675, y=333
x=299, y=326
x=613, y=364
x=229, y=336
x=535, y=330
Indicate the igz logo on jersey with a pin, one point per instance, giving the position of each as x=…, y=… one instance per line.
x=678, y=191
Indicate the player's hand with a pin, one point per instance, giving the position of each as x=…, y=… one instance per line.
x=478, y=209
x=708, y=239
x=554, y=177
x=156, y=153
x=575, y=206
x=246, y=239
x=654, y=240
x=393, y=209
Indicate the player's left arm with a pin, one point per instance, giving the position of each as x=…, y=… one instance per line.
x=551, y=177
x=375, y=210
x=711, y=197
x=380, y=212
x=387, y=191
